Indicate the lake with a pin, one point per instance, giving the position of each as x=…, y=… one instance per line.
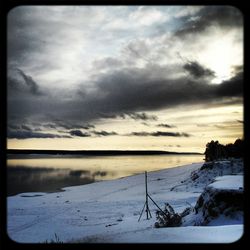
x=51, y=173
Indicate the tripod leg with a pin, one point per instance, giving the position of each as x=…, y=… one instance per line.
x=147, y=209
x=149, y=213
x=142, y=211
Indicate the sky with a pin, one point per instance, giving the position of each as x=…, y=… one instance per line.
x=124, y=77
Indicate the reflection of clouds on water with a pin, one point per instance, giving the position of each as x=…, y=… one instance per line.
x=100, y=173
x=79, y=173
x=53, y=173
x=26, y=179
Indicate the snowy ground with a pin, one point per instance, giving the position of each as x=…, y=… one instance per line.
x=108, y=211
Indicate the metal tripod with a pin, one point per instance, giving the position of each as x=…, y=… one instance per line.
x=146, y=202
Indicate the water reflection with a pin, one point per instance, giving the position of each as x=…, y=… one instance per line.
x=26, y=179
x=51, y=174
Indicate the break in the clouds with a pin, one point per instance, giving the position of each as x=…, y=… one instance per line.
x=71, y=66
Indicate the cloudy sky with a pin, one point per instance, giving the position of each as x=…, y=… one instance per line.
x=124, y=77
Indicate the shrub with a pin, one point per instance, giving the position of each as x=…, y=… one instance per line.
x=167, y=217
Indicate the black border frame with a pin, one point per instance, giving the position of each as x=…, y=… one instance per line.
x=5, y=7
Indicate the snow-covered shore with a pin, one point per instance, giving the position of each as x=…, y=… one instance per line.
x=108, y=211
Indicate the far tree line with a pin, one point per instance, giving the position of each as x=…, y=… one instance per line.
x=215, y=150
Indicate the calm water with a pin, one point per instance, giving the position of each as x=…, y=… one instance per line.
x=50, y=173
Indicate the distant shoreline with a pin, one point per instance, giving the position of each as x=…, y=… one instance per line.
x=96, y=152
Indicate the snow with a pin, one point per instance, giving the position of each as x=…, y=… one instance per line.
x=108, y=211
x=229, y=182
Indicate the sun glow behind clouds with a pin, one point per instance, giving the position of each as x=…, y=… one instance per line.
x=221, y=54
x=94, y=61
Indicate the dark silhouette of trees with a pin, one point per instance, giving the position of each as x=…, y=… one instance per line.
x=215, y=150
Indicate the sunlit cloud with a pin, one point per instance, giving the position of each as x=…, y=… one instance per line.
x=99, y=71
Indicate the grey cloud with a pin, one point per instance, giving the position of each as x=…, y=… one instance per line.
x=31, y=34
x=108, y=115
x=197, y=70
x=232, y=87
x=79, y=133
x=202, y=125
x=88, y=126
x=133, y=115
x=164, y=125
x=14, y=127
x=22, y=83
x=25, y=127
x=145, y=123
x=24, y=134
x=50, y=125
x=126, y=93
x=142, y=116
x=129, y=90
x=68, y=125
x=73, y=126
x=107, y=63
x=160, y=133
x=37, y=129
x=224, y=16
x=31, y=84
x=237, y=69
x=104, y=133
x=173, y=145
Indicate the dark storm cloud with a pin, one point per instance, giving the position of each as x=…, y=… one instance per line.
x=160, y=133
x=197, y=70
x=22, y=83
x=240, y=121
x=14, y=127
x=68, y=125
x=224, y=16
x=232, y=87
x=108, y=115
x=164, y=125
x=31, y=31
x=25, y=127
x=104, y=133
x=50, y=125
x=132, y=91
x=24, y=134
x=135, y=116
x=237, y=69
x=126, y=93
x=31, y=84
x=79, y=133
